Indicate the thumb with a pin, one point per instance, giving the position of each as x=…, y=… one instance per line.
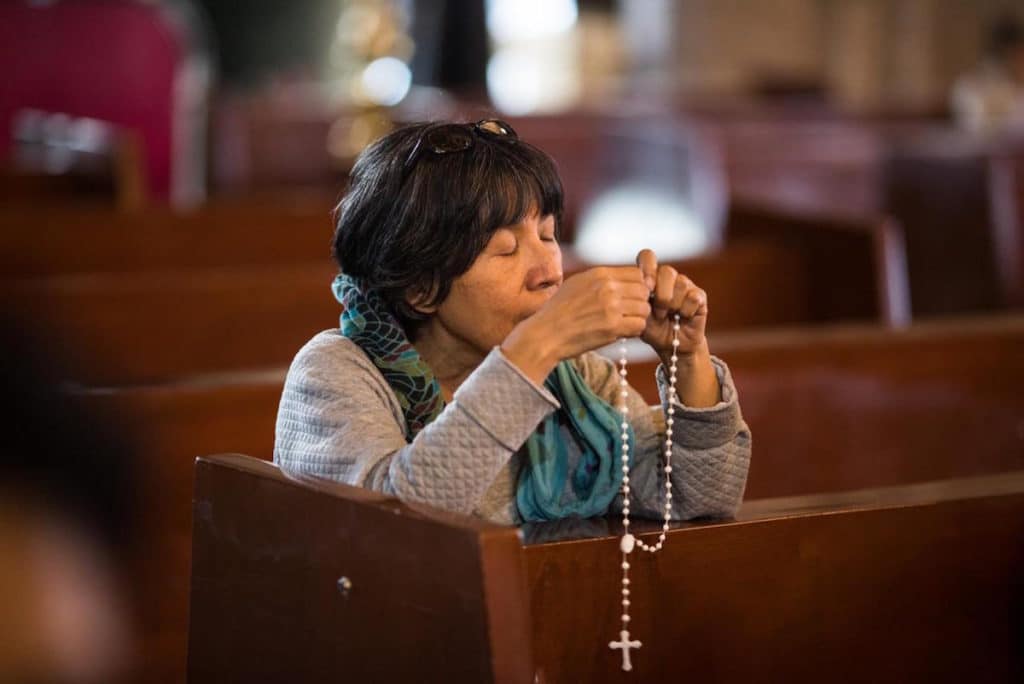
x=648, y=263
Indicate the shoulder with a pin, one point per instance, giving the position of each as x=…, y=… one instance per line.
x=331, y=364
x=331, y=351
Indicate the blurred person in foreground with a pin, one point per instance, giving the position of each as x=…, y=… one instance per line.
x=65, y=531
x=463, y=374
x=990, y=99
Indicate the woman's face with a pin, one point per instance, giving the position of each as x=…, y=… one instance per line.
x=511, y=279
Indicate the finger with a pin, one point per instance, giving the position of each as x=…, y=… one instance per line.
x=682, y=286
x=632, y=291
x=664, y=291
x=633, y=326
x=625, y=274
x=648, y=263
x=635, y=307
x=694, y=303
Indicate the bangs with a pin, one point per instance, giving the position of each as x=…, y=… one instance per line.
x=521, y=181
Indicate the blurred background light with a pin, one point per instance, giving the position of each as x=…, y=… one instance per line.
x=631, y=217
x=386, y=80
x=534, y=66
x=522, y=20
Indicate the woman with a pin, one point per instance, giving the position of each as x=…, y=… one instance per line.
x=463, y=374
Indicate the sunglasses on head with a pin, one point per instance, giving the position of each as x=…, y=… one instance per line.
x=448, y=138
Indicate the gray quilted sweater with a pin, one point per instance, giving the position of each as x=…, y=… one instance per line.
x=340, y=420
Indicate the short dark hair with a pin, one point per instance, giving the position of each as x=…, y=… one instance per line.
x=404, y=228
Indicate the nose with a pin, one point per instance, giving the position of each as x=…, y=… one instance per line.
x=546, y=269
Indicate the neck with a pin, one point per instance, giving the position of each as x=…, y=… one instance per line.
x=450, y=357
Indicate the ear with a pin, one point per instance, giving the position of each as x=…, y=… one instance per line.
x=417, y=298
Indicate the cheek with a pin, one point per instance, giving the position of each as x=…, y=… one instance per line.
x=489, y=301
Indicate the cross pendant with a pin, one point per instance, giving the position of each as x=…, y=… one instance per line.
x=625, y=644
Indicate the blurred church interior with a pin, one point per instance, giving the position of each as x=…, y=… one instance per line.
x=844, y=177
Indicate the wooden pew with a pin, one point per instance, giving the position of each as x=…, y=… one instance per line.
x=168, y=426
x=309, y=581
x=1006, y=172
x=45, y=240
x=857, y=264
x=146, y=327
x=910, y=406
x=130, y=328
x=942, y=199
x=934, y=400
x=57, y=159
x=820, y=165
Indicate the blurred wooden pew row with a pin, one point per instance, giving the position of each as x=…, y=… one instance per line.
x=831, y=410
x=302, y=580
x=146, y=327
x=958, y=198
x=60, y=239
x=129, y=328
x=854, y=268
x=934, y=400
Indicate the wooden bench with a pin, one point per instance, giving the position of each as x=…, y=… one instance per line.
x=934, y=400
x=830, y=410
x=147, y=327
x=310, y=581
x=857, y=265
x=72, y=239
x=130, y=328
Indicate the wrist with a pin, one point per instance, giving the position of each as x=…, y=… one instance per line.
x=534, y=353
x=692, y=358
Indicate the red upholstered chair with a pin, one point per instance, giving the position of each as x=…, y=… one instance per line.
x=138, y=66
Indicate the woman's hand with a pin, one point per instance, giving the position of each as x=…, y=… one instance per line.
x=590, y=310
x=672, y=293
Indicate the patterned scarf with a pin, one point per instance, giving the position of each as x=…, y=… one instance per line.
x=540, y=491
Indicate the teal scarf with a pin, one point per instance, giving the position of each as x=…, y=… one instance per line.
x=540, y=491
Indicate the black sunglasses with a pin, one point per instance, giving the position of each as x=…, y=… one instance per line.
x=448, y=138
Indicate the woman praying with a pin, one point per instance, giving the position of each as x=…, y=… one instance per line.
x=463, y=374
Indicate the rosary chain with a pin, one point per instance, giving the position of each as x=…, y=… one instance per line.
x=628, y=542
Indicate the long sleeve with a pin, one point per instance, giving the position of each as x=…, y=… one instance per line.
x=339, y=419
x=710, y=451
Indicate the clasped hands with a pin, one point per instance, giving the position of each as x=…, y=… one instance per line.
x=596, y=307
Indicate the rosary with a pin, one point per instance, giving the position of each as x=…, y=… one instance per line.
x=628, y=542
